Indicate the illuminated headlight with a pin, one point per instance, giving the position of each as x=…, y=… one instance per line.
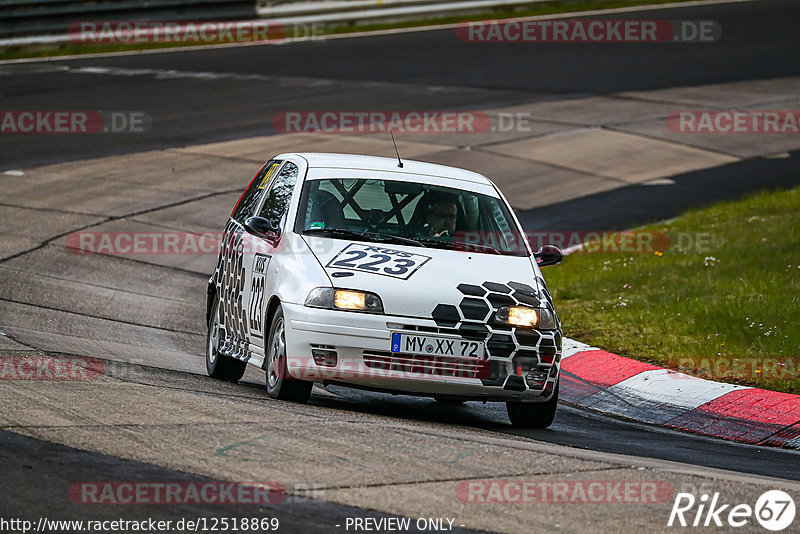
x=344, y=299
x=349, y=300
x=526, y=317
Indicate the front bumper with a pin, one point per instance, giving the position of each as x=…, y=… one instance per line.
x=362, y=346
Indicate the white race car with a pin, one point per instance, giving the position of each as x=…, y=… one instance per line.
x=403, y=277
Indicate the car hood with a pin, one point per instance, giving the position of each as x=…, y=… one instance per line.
x=413, y=281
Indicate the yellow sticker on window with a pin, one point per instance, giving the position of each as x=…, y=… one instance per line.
x=270, y=172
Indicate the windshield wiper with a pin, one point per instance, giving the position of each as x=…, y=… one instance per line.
x=397, y=239
x=391, y=238
x=337, y=232
x=483, y=248
x=476, y=247
x=365, y=236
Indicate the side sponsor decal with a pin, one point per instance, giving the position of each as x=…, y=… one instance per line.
x=375, y=259
x=256, y=311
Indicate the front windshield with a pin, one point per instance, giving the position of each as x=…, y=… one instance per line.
x=415, y=214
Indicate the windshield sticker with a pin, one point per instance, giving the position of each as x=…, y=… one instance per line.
x=316, y=225
x=270, y=172
x=378, y=260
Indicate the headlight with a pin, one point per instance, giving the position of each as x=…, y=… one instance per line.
x=349, y=300
x=344, y=299
x=526, y=317
x=519, y=316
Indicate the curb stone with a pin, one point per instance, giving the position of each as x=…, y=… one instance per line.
x=599, y=380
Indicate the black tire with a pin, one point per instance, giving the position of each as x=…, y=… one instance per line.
x=218, y=365
x=533, y=414
x=279, y=384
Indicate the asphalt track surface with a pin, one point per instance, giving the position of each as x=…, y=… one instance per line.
x=580, y=428
x=44, y=472
x=425, y=70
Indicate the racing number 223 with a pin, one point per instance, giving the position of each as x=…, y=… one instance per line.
x=378, y=260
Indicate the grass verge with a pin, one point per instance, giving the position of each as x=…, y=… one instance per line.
x=721, y=302
x=545, y=8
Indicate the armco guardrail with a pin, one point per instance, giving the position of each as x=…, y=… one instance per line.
x=337, y=12
x=46, y=21
x=41, y=17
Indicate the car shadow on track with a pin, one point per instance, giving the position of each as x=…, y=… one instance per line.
x=485, y=416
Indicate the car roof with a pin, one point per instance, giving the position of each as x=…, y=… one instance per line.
x=373, y=163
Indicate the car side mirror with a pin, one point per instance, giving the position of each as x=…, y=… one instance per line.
x=261, y=227
x=548, y=255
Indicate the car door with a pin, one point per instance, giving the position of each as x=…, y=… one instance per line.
x=235, y=265
x=273, y=207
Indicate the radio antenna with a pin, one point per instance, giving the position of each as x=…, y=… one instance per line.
x=399, y=162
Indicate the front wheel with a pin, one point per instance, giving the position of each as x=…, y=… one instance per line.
x=218, y=365
x=279, y=384
x=533, y=414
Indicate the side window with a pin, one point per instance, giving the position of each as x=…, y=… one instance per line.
x=279, y=194
x=247, y=204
